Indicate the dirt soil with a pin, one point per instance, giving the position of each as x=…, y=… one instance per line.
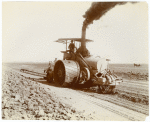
x=28, y=97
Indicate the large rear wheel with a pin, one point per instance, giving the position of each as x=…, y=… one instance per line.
x=65, y=72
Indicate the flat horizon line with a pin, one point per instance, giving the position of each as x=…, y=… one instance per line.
x=48, y=62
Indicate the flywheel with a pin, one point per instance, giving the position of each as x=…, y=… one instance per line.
x=85, y=74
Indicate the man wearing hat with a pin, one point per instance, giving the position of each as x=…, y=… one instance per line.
x=71, y=47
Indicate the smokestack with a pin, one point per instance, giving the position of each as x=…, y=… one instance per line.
x=83, y=44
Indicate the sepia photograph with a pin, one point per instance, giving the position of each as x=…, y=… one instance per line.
x=75, y=60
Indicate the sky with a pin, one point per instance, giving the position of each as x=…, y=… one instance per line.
x=29, y=30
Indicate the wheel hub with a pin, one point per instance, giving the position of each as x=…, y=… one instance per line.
x=59, y=73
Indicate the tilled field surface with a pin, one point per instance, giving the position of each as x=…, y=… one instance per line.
x=135, y=85
x=134, y=91
x=26, y=99
x=26, y=95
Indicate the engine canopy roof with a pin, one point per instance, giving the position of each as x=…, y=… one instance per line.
x=63, y=40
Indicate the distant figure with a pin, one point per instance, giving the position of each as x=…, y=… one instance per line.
x=136, y=65
x=71, y=47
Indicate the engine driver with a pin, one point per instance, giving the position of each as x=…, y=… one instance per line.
x=71, y=47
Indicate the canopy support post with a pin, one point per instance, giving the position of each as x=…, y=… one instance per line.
x=66, y=45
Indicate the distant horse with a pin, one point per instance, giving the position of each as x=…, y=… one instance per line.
x=136, y=65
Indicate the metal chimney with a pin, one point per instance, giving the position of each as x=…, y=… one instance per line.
x=83, y=44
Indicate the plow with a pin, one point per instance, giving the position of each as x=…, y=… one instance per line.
x=32, y=72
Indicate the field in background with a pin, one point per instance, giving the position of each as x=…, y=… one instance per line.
x=129, y=72
x=36, y=67
x=117, y=68
x=143, y=69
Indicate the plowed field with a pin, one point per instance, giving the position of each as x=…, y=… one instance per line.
x=29, y=96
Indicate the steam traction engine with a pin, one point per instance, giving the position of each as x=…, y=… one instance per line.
x=80, y=69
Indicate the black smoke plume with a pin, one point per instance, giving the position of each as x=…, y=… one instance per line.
x=97, y=10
